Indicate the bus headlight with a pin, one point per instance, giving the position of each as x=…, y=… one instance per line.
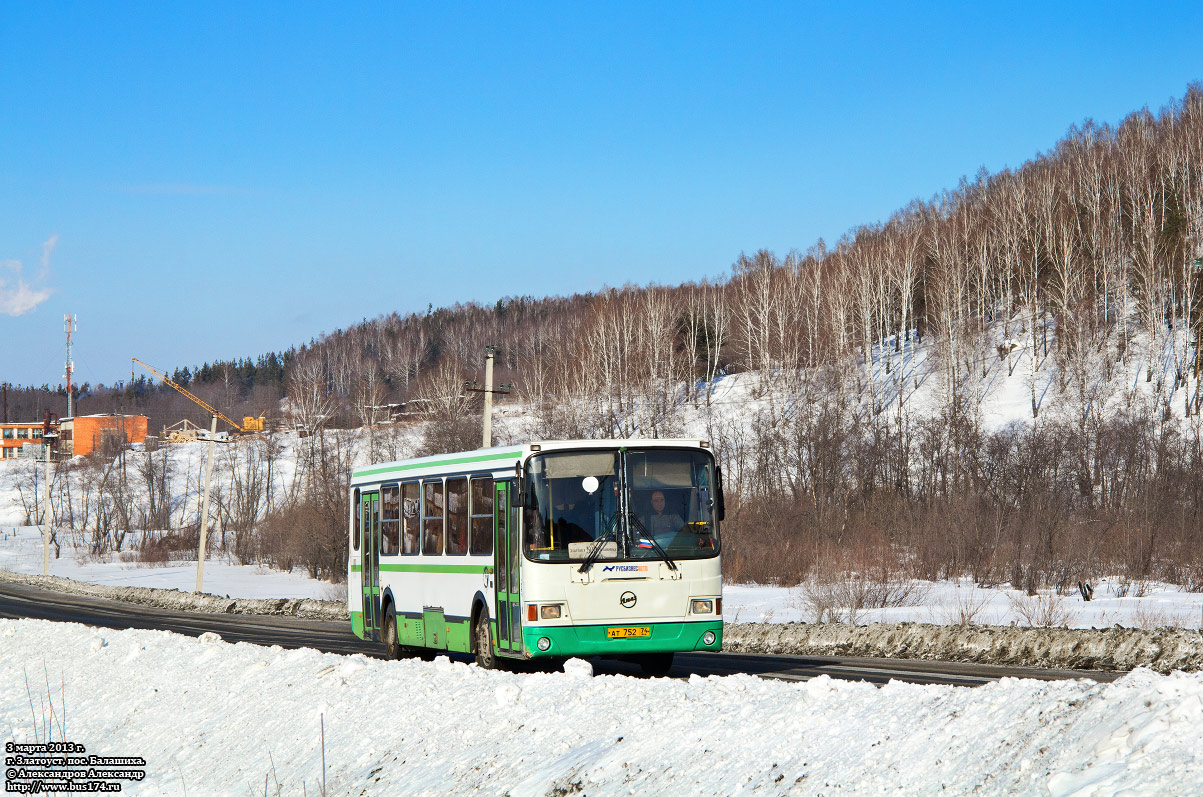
x=550, y=611
x=708, y=638
x=701, y=607
x=544, y=643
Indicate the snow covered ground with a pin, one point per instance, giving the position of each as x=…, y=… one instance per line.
x=1132, y=605
x=21, y=552
x=214, y=718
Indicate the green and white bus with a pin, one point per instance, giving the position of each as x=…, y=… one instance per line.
x=549, y=549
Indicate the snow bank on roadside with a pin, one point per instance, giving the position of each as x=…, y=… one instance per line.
x=1163, y=650
x=186, y=601
x=214, y=718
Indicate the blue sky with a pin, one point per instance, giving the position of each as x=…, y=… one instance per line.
x=214, y=181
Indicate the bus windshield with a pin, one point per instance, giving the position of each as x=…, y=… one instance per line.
x=620, y=505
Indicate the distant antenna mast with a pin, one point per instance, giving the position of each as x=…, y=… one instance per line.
x=69, y=325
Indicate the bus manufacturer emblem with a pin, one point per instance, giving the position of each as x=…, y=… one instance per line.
x=627, y=599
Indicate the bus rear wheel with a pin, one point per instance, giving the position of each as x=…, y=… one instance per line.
x=486, y=657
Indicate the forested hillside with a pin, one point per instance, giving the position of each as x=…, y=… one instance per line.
x=863, y=435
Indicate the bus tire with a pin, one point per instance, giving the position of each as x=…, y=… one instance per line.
x=392, y=648
x=656, y=663
x=486, y=657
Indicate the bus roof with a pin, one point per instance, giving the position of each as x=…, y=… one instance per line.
x=500, y=457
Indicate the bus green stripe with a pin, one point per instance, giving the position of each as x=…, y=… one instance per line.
x=591, y=640
x=437, y=464
x=478, y=570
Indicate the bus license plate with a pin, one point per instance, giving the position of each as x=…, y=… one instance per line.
x=629, y=631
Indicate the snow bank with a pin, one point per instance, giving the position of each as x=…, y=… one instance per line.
x=214, y=718
x=1163, y=650
x=187, y=601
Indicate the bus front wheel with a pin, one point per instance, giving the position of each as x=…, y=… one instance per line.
x=392, y=647
x=486, y=658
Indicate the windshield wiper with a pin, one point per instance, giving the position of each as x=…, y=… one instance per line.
x=598, y=546
x=663, y=554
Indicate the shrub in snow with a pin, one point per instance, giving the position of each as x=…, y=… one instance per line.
x=1041, y=611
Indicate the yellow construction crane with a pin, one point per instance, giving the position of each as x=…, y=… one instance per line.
x=250, y=424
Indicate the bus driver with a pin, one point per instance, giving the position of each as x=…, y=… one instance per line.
x=663, y=527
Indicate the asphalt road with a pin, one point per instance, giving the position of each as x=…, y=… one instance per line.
x=289, y=632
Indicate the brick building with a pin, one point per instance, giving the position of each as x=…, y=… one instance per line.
x=84, y=434
x=15, y=435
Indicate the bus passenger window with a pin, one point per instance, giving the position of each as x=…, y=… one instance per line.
x=370, y=543
x=457, y=515
x=481, y=540
x=390, y=520
x=355, y=523
x=411, y=517
x=432, y=507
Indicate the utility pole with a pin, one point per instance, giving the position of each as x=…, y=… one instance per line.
x=487, y=435
x=488, y=425
x=46, y=514
x=69, y=325
x=200, y=552
x=49, y=436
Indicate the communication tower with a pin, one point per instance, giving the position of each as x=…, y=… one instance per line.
x=69, y=325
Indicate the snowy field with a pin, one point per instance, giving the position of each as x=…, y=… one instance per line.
x=21, y=552
x=948, y=602
x=213, y=718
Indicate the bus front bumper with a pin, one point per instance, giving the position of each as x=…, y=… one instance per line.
x=593, y=640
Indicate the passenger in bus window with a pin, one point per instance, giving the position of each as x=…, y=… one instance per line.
x=660, y=524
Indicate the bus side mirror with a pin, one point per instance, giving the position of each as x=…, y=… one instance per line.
x=720, y=510
x=518, y=494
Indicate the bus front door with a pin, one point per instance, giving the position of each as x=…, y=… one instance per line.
x=505, y=566
x=371, y=566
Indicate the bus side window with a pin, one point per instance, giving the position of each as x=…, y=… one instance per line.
x=368, y=516
x=411, y=517
x=432, y=512
x=390, y=520
x=457, y=515
x=481, y=541
x=355, y=523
